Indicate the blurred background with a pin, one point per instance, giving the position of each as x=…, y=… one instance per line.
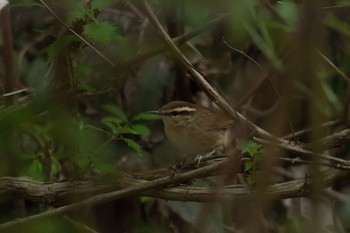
x=78, y=78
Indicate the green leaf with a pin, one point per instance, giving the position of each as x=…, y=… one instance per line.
x=141, y=129
x=248, y=146
x=288, y=11
x=78, y=11
x=116, y=111
x=144, y=199
x=134, y=146
x=248, y=165
x=106, y=168
x=82, y=161
x=35, y=170
x=100, y=4
x=55, y=167
x=145, y=116
x=111, y=122
x=101, y=32
x=335, y=23
x=126, y=130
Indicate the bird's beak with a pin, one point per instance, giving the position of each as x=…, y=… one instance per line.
x=156, y=112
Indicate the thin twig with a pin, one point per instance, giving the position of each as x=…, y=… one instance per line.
x=336, y=139
x=330, y=63
x=308, y=162
x=303, y=131
x=301, y=150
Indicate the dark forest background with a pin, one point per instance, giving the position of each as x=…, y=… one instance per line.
x=77, y=80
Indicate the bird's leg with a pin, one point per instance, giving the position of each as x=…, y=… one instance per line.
x=179, y=163
x=200, y=157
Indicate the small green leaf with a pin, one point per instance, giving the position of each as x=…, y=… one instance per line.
x=288, y=11
x=126, y=130
x=141, y=129
x=106, y=168
x=248, y=146
x=144, y=199
x=78, y=11
x=111, y=126
x=35, y=170
x=133, y=145
x=145, y=116
x=116, y=111
x=101, y=32
x=82, y=161
x=335, y=23
x=248, y=165
x=55, y=167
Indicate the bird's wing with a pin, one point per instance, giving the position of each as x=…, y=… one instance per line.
x=223, y=121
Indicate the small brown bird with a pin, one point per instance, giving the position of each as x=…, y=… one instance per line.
x=192, y=128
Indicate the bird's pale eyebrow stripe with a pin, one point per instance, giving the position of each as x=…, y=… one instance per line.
x=181, y=109
x=184, y=109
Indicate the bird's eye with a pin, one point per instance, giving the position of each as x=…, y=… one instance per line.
x=174, y=113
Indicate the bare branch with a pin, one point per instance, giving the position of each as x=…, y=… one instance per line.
x=129, y=191
x=54, y=193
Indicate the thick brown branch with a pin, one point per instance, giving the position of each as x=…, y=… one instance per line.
x=59, y=193
x=125, y=192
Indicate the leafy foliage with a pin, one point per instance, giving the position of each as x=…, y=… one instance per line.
x=119, y=125
x=101, y=32
x=253, y=150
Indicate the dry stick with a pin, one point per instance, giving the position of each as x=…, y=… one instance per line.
x=303, y=131
x=336, y=139
x=130, y=191
x=301, y=150
x=329, y=62
x=76, y=34
x=308, y=162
